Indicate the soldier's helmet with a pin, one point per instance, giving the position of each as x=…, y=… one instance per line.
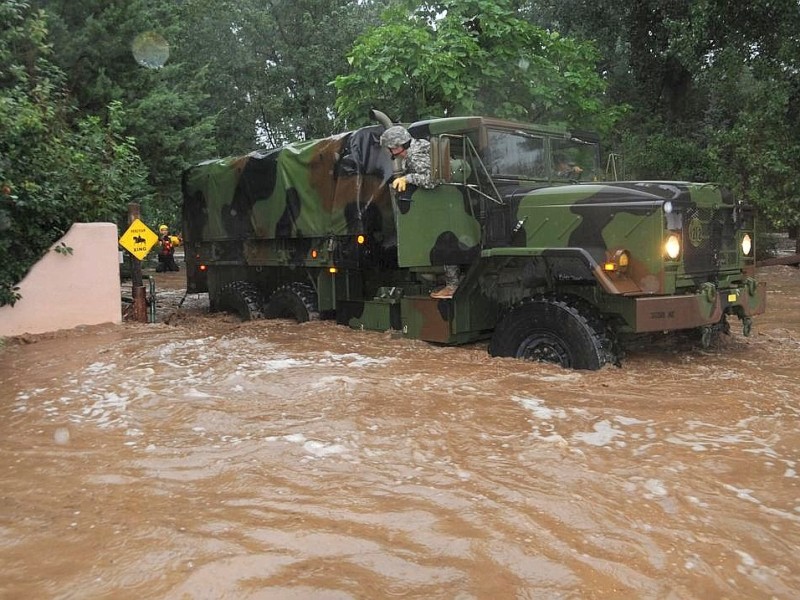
x=395, y=136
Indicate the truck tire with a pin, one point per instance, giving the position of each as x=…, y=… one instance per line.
x=242, y=298
x=296, y=301
x=550, y=330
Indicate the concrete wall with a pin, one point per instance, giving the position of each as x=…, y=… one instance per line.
x=64, y=291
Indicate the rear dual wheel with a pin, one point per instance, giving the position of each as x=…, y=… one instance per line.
x=242, y=298
x=546, y=329
x=296, y=301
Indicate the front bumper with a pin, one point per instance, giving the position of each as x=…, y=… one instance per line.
x=706, y=307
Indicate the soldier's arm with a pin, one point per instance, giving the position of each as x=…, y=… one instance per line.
x=419, y=158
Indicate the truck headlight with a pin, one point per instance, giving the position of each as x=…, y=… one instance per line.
x=672, y=247
x=747, y=244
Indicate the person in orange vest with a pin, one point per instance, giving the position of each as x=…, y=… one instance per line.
x=166, y=250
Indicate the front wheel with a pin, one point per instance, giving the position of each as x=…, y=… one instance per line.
x=553, y=331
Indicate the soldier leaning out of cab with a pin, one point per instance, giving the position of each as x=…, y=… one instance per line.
x=415, y=165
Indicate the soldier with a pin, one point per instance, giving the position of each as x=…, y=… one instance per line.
x=414, y=157
x=166, y=250
x=564, y=168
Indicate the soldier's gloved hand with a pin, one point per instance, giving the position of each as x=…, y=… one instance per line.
x=400, y=184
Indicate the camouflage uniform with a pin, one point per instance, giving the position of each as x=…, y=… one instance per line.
x=417, y=164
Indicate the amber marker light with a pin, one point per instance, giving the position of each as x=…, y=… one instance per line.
x=618, y=261
x=360, y=240
x=332, y=270
x=314, y=253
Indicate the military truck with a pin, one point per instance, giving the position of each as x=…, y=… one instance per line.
x=556, y=264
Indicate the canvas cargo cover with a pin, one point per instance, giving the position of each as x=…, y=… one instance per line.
x=305, y=189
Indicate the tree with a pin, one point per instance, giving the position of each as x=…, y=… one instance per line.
x=55, y=168
x=238, y=74
x=269, y=64
x=713, y=86
x=472, y=56
x=746, y=56
x=164, y=103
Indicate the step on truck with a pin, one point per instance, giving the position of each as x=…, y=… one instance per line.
x=556, y=265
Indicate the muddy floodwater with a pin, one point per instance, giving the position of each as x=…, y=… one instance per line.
x=207, y=458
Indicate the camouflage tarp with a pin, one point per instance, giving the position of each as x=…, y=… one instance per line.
x=305, y=189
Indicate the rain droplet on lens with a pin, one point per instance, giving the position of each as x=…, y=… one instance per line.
x=61, y=436
x=150, y=50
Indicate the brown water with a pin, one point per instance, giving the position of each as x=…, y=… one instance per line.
x=213, y=459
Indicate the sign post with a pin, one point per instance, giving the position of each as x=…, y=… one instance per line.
x=138, y=239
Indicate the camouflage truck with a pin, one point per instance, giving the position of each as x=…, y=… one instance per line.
x=557, y=265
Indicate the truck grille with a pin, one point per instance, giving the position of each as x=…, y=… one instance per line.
x=709, y=240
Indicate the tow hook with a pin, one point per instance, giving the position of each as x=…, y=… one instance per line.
x=706, y=333
x=709, y=290
x=747, y=326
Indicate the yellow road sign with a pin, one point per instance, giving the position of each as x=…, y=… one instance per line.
x=138, y=239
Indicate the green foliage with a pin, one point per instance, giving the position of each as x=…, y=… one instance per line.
x=472, y=57
x=237, y=73
x=63, y=249
x=164, y=111
x=652, y=153
x=269, y=64
x=713, y=86
x=759, y=156
x=55, y=169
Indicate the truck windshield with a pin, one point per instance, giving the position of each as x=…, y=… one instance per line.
x=516, y=154
x=574, y=158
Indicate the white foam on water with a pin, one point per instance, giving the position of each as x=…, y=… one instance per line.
x=539, y=410
x=314, y=448
x=321, y=449
x=281, y=364
x=630, y=421
x=336, y=381
x=655, y=487
x=553, y=438
x=194, y=393
x=355, y=360
x=604, y=434
x=742, y=493
x=557, y=378
x=746, y=559
x=696, y=501
x=143, y=372
x=99, y=368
